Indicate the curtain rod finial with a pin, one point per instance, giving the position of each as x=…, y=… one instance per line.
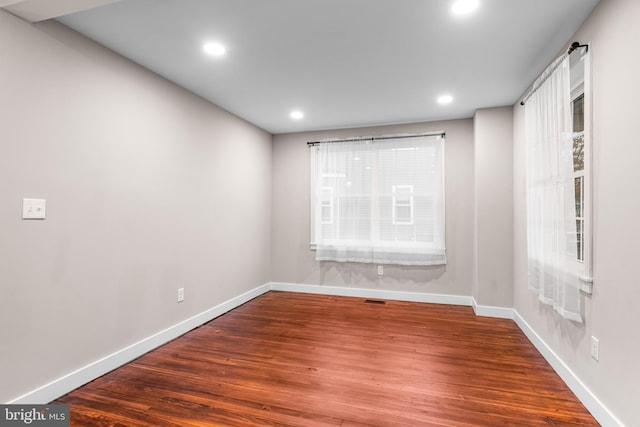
x=576, y=45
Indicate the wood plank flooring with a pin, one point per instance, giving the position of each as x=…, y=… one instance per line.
x=289, y=359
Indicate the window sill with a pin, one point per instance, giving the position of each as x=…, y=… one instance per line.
x=586, y=284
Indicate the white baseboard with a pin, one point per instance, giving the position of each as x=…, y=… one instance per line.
x=372, y=293
x=600, y=412
x=73, y=380
x=492, y=311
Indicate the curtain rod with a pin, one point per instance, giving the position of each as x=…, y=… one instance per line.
x=374, y=138
x=551, y=68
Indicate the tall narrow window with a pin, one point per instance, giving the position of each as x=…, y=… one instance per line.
x=581, y=133
x=386, y=200
x=578, y=170
x=559, y=186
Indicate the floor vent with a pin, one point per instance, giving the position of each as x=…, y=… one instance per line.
x=374, y=301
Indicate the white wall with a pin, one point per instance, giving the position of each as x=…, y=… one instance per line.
x=149, y=188
x=493, y=163
x=294, y=262
x=610, y=313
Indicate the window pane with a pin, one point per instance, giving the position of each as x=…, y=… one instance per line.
x=355, y=218
x=579, y=191
x=578, y=114
x=578, y=133
x=580, y=237
x=578, y=152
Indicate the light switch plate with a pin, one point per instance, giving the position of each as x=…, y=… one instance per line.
x=34, y=208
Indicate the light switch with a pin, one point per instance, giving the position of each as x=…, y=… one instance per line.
x=34, y=208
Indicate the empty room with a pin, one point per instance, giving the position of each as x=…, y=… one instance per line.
x=319, y=212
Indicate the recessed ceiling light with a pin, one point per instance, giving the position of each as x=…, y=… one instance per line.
x=297, y=115
x=462, y=7
x=445, y=99
x=215, y=49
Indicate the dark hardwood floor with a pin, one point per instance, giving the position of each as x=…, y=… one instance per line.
x=288, y=359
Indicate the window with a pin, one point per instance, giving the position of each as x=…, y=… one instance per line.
x=578, y=170
x=559, y=185
x=581, y=133
x=379, y=200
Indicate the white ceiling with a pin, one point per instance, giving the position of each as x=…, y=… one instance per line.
x=345, y=63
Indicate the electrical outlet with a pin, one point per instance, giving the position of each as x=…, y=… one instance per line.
x=380, y=270
x=180, y=294
x=34, y=208
x=595, y=348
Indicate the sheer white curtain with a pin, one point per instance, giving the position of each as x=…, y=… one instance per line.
x=551, y=215
x=381, y=201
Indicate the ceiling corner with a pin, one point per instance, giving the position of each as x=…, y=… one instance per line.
x=41, y=10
